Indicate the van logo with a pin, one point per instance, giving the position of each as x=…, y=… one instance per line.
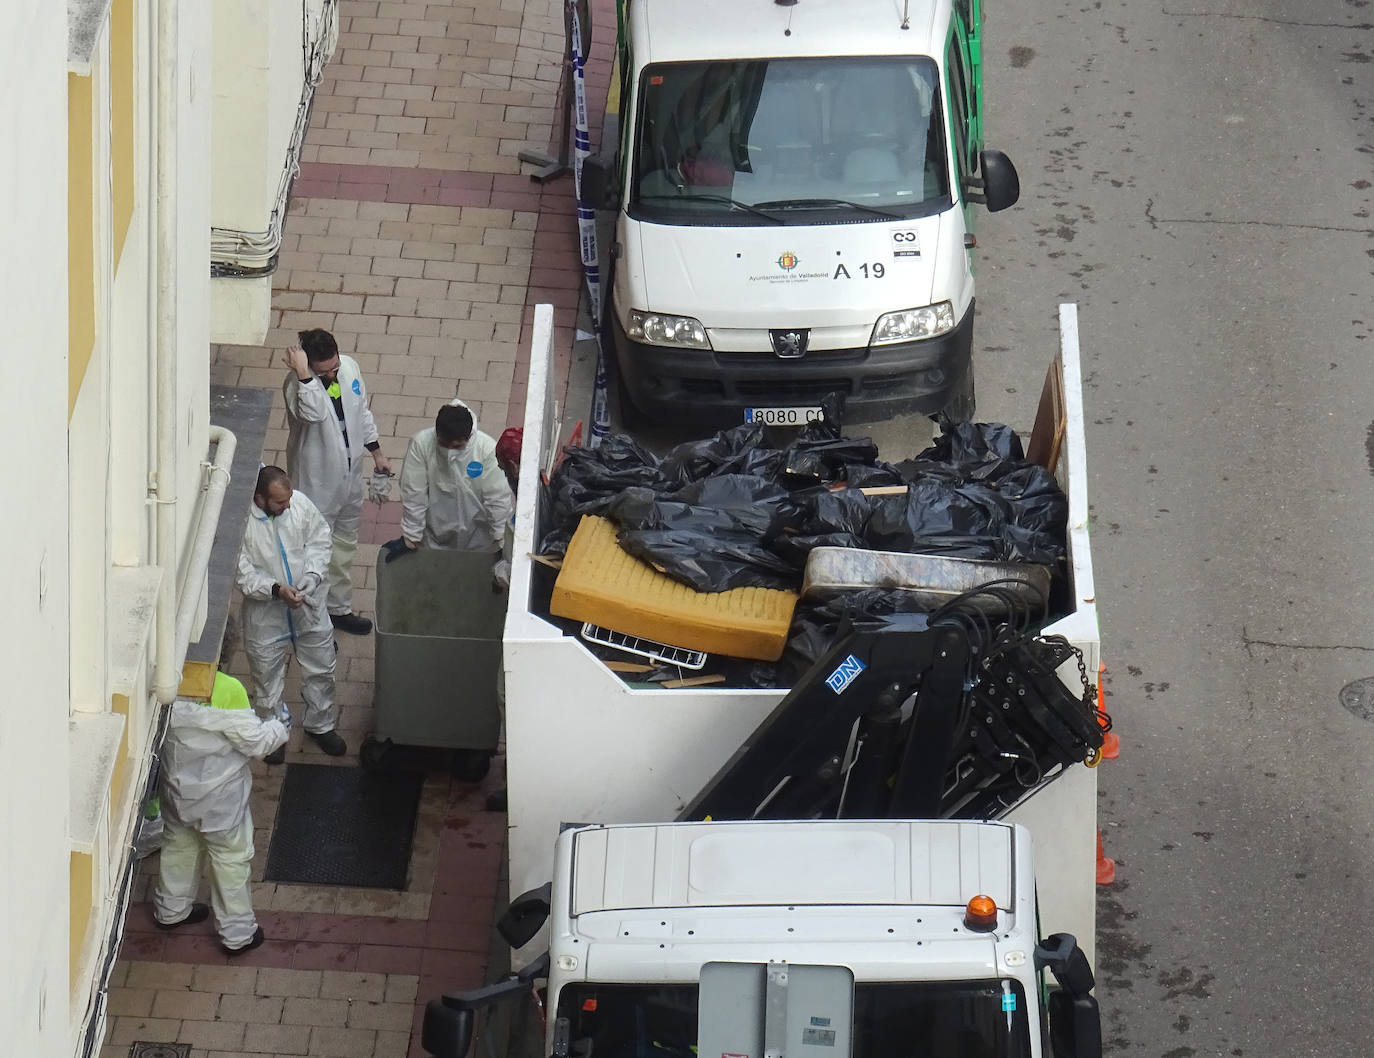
x=789, y=345
x=839, y=680
x=787, y=260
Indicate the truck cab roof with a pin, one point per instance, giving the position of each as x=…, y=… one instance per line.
x=671, y=31
x=886, y=898
x=901, y=862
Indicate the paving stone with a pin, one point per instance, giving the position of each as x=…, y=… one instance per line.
x=324, y=1012
x=359, y=987
x=342, y=1042
x=181, y=1003
x=278, y=1039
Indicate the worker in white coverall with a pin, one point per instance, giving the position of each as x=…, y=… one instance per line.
x=281, y=573
x=330, y=427
x=204, y=799
x=454, y=495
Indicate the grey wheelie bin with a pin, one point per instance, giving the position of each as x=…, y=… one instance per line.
x=438, y=658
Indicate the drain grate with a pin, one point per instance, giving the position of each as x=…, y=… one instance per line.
x=1358, y=698
x=142, y=1049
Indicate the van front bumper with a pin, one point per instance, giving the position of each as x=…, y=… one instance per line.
x=880, y=382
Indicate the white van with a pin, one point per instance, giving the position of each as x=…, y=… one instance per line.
x=792, y=189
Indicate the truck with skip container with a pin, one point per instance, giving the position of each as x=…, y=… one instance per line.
x=793, y=189
x=583, y=746
x=855, y=939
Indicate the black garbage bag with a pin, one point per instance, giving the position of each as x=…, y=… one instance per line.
x=977, y=451
x=738, y=450
x=824, y=459
x=712, y=534
x=752, y=492
x=588, y=479
x=876, y=475
x=932, y=509
x=829, y=519
x=640, y=509
x=716, y=561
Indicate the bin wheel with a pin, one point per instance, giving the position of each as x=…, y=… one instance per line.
x=471, y=765
x=372, y=754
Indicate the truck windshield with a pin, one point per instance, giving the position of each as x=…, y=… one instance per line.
x=836, y=139
x=948, y=1019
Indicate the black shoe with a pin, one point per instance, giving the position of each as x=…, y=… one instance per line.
x=330, y=742
x=256, y=942
x=351, y=623
x=198, y=913
x=277, y=756
x=496, y=800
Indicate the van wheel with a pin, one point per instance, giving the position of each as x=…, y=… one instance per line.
x=961, y=404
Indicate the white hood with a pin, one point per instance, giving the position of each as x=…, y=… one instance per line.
x=786, y=275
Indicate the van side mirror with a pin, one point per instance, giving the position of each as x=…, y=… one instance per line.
x=1001, y=185
x=1075, y=1021
x=598, y=182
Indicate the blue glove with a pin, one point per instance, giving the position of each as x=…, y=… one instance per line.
x=396, y=548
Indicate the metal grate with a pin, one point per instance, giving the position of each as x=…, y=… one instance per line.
x=142, y=1049
x=645, y=648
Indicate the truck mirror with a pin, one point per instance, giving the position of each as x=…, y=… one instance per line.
x=446, y=1031
x=1063, y=957
x=598, y=179
x=526, y=916
x=1075, y=1022
x=1075, y=1026
x=1001, y=185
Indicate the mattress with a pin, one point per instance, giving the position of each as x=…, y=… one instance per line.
x=601, y=583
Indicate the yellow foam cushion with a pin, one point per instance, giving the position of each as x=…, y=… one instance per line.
x=602, y=583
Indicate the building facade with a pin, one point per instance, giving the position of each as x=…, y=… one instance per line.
x=151, y=144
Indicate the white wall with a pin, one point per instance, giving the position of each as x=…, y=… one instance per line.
x=33, y=621
x=257, y=72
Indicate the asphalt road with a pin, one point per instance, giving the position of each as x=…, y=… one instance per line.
x=1196, y=175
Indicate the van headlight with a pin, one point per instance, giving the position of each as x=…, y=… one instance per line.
x=911, y=325
x=658, y=328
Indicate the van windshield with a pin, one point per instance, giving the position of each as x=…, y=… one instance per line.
x=945, y=1019
x=757, y=141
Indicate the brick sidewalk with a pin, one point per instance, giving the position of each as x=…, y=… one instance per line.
x=415, y=239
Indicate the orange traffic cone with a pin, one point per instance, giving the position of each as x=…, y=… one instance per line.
x=1106, y=869
x=1111, y=744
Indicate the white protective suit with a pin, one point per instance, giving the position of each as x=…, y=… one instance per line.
x=204, y=794
x=293, y=549
x=327, y=470
x=454, y=500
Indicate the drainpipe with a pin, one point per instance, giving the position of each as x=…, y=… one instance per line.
x=164, y=481
x=198, y=561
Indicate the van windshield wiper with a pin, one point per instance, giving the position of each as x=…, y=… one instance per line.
x=722, y=199
x=824, y=203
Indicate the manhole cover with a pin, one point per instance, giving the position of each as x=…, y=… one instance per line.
x=141, y=1049
x=1358, y=697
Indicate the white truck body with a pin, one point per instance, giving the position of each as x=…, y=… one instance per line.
x=583, y=747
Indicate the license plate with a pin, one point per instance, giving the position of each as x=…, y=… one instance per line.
x=782, y=416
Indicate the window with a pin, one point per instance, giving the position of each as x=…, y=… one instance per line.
x=959, y=107
x=948, y=1019
x=723, y=142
